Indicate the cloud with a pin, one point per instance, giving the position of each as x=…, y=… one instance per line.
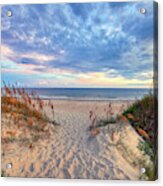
x=39, y=57
x=101, y=80
x=111, y=39
x=20, y=57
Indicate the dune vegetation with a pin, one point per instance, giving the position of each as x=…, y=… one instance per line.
x=143, y=117
x=23, y=116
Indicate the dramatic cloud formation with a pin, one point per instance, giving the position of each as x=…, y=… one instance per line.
x=78, y=45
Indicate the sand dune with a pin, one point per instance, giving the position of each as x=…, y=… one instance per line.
x=70, y=151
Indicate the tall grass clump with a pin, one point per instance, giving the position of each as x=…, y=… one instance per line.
x=143, y=117
x=25, y=112
x=109, y=117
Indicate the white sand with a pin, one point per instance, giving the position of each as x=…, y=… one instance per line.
x=71, y=152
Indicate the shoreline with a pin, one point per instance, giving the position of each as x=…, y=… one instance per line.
x=89, y=100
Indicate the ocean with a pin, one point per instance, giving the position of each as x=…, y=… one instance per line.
x=90, y=93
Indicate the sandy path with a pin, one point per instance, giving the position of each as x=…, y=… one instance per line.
x=72, y=153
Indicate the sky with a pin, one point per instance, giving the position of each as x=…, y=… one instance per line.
x=105, y=45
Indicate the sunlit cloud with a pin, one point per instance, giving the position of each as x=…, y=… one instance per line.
x=38, y=57
x=9, y=53
x=100, y=79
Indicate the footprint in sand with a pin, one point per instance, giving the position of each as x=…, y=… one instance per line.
x=92, y=145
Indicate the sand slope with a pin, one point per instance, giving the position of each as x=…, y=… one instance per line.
x=71, y=152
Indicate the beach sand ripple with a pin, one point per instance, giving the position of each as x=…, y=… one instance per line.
x=71, y=152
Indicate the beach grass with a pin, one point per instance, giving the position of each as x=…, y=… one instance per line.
x=23, y=112
x=143, y=117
